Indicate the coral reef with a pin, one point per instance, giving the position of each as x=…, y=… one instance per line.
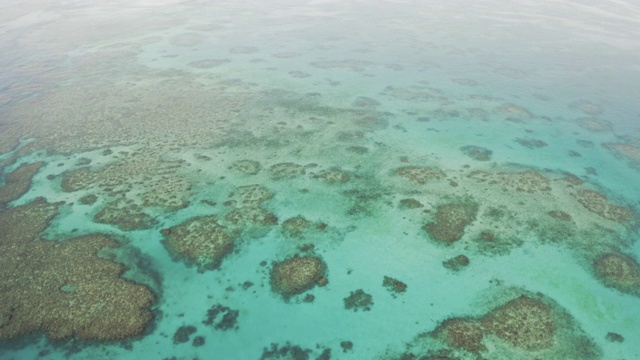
x=464, y=333
x=247, y=167
x=595, y=125
x=360, y=150
x=64, y=289
x=299, y=74
x=125, y=214
x=409, y=204
x=614, y=337
x=531, y=143
x=251, y=216
x=514, y=112
x=250, y=195
x=297, y=275
x=228, y=320
x=299, y=227
x=348, y=64
x=286, y=352
x=465, y=81
x=244, y=50
x=186, y=39
x=199, y=241
x=295, y=226
x=18, y=182
x=286, y=170
x=333, y=176
x=346, y=346
x=198, y=341
x=394, y=286
x=144, y=176
x=629, y=151
x=523, y=322
x=77, y=179
x=478, y=153
x=412, y=95
x=529, y=323
x=618, y=271
x=358, y=300
x=451, y=220
x=586, y=107
x=559, y=215
x=599, y=204
x=456, y=263
x=207, y=63
x=419, y=174
x=490, y=243
x=528, y=181
x=88, y=199
x=363, y=101
x=412, y=356
x=183, y=334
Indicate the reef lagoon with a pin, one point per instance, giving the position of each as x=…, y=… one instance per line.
x=389, y=180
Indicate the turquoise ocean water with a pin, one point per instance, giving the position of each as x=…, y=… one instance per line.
x=461, y=180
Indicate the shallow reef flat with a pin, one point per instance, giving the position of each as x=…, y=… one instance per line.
x=220, y=181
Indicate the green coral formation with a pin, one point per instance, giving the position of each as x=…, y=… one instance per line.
x=246, y=167
x=514, y=112
x=88, y=199
x=618, y=271
x=522, y=323
x=297, y=275
x=531, y=143
x=77, y=179
x=125, y=214
x=461, y=333
x=599, y=204
x=595, y=125
x=358, y=300
x=251, y=216
x=333, y=176
x=286, y=170
x=456, y=263
x=477, y=153
x=300, y=227
x=18, y=182
x=419, y=174
x=64, y=289
x=145, y=178
x=296, y=226
x=629, y=151
x=227, y=321
x=199, y=241
x=393, y=285
x=451, y=220
x=559, y=215
x=528, y=181
x=183, y=334
x=614, y=337
x=250, y=195
x=409, y=204
x=525, y=326
x=290, y=352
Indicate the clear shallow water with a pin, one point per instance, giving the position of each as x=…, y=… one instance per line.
x=381, y=140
